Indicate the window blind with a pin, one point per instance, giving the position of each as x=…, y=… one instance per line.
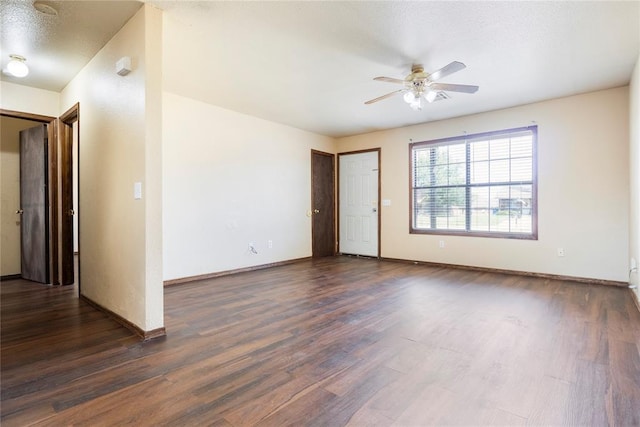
x=483, y=184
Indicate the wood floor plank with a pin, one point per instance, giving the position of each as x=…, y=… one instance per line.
x=122, y=406
x=551, y=398
x=625, y=383
x=304, y=411
x=257, y=410
x=587, y=396
x=331, y=342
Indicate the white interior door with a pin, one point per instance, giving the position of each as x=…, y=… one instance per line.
x=358, y=202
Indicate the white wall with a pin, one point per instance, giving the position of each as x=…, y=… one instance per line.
x=120, y=144
x=634, y=164
x=583, y=187
x=230, y=179
x=29, y=100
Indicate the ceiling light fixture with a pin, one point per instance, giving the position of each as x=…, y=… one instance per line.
x=416, y=104
x=17, y=67
x=431, y=96
x=409, y=97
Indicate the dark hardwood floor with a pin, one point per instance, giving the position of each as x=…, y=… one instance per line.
x=330, y=342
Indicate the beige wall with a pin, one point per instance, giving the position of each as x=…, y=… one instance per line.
x=120, y=144
x=10, y=193
x=29, y=100
x=23, y=99
x=152, y=180
x=634, y=164
x=228, y=178
x=583, y=179
x=231, y=179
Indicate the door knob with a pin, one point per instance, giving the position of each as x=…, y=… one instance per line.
x=316, y=211
x=19, y=212
x=374, y=210
x=72, y=212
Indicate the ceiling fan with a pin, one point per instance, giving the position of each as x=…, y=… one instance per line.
x=419, y=85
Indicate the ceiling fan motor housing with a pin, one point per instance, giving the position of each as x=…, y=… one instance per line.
x=418, y=80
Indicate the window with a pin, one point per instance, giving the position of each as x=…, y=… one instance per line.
x=476, y=185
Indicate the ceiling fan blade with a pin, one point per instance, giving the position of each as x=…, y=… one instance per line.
x=446, y=70
x=454, y=87
x=389, y=80
x=380, y=98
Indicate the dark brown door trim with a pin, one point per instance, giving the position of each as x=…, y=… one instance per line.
x=53, y=184
x=67, y=121
x=379, y=151
x=27, y=116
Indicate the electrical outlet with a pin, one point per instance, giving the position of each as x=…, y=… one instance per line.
x=270, y=244
x=560, y=252
x=441, y=244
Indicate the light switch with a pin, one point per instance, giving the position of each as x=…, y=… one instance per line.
x=137, y=190
x=386, y=202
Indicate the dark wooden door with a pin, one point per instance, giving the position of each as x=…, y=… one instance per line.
x=34, y=224
x=323, y=204
x=66, y=195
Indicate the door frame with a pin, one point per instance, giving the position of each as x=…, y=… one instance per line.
x=71, y=116
x=333, y=201
x=52, y=208
x=346, y=153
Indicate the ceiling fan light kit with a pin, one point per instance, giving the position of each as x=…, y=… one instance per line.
x=416, y=104
x=420, y=85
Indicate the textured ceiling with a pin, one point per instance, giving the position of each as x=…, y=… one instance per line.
x=57, y=47
x=311, y=64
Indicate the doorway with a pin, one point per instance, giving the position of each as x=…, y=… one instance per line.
x=359, y=202
x=323, y=235
x=15, y=219
x=62, y=189
x=69, y=196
